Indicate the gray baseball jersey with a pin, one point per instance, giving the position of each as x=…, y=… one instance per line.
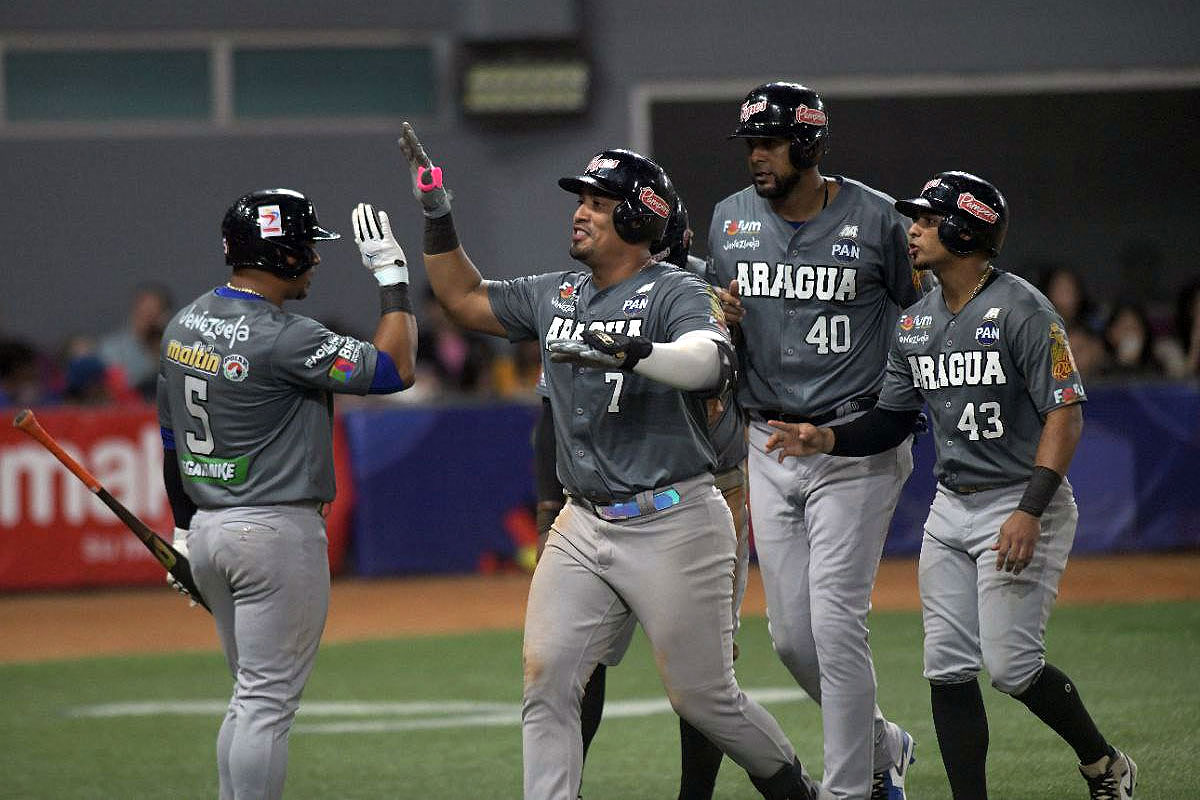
x=601, y=453
x=824, y=293
x=247, y=389
x=990, y=374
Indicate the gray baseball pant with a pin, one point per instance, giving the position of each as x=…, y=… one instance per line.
x=674, y=570
x=819, y=525
x=974, y=615
x=264, y=570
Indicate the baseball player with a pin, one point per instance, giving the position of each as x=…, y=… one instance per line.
x=630, y=349
x=700, y=759
x=814, y=269
x=989, y=355
x=245, y=401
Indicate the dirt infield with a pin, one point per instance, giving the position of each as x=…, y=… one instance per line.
x=149, y=620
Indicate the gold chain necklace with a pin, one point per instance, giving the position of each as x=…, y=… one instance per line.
x=979, y=286
x=229, y=285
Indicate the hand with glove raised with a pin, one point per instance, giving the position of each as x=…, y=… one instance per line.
x=381, y=253
x=426, y=178
x=179, y=542
x=601, y=349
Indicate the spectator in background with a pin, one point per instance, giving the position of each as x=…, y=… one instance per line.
x=516, y=373
x=1065, y=289
x=134, y=348
x=1180, y=353
x=88, y=380
x=25, y=376
x=1130, y=344
x=452, y=359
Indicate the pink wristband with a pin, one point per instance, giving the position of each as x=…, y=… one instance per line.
x=436, y=178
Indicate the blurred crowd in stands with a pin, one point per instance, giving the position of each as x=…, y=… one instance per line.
x=1118, y=339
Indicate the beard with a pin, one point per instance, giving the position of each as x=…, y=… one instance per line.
x=781, y=188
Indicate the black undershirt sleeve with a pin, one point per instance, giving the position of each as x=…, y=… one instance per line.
x=544, y=461
x=182, y=507
x=875, y=431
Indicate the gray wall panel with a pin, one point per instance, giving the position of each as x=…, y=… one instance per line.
x=82, y=221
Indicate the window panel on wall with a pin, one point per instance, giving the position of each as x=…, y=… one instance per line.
x=327, y=81
x=51, y=86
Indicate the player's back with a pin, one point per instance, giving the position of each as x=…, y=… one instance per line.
x=250, y=428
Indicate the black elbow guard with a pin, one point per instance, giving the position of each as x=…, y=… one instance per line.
x=727, y=377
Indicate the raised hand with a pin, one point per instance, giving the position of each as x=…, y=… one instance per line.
x=426, y=178
x=380, y=251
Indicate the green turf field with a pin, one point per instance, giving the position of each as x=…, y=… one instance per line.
x=436, y=717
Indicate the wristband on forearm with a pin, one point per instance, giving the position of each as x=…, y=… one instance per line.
x=440, y=236
x=1043, y=483
x=394, y=298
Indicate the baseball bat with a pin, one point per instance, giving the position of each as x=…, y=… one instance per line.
x=172, y=560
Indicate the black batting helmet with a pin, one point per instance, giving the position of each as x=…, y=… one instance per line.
x=263, y=228
x=676, y=240
x=646, y=193
x=974, y=213
x=786, y=111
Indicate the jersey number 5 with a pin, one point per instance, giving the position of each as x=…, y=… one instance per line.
x=968, y=425
x=195, y=392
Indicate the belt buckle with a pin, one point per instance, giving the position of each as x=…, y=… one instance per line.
x=617, y=511
x=630, y=509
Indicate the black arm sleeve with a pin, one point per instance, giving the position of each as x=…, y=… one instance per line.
x=545, y=472
x=182, y=507
x=873, y=432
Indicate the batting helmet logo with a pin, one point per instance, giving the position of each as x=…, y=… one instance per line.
x=653, y=202
x=810, y=116
x=599, y=163
x=750, y=109
x=977, y=208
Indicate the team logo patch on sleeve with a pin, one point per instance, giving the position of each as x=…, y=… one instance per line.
x=342, y=369
x=716, y=312
x=1062, y=361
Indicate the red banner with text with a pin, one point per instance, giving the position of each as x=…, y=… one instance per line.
x=55, y=534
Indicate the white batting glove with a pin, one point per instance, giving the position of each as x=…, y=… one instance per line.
x=381, y=253
x=179, y=542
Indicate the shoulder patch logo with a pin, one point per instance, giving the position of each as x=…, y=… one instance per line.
x=1062, y=361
